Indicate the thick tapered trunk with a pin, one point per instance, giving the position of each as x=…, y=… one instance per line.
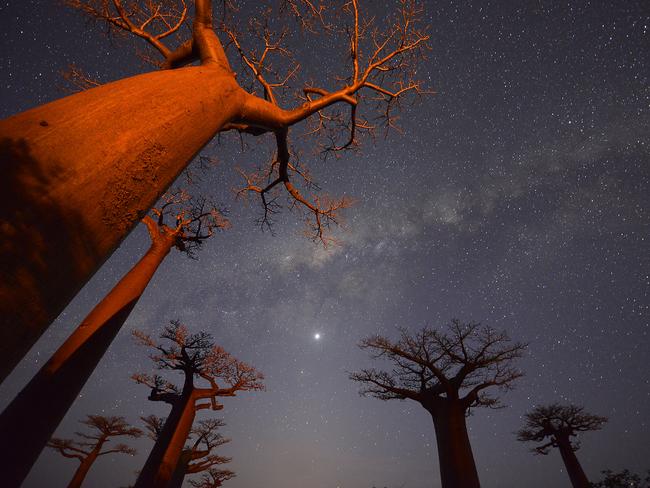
x=164, y=458
x=574, y=469
x=76, y=176
x=181, y=469
x=457, y=467
x=82, y=471
x=38, y=409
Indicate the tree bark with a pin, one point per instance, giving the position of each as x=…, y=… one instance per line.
x=574, y=469
x=181, y=470
x=77, y=175
x=158, y=471
x=60, y=380
x=457, y=466
x=82, y=470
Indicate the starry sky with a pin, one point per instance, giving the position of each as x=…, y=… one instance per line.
x=516, y=196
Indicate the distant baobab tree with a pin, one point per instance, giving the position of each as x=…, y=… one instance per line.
x=213, y=478
x=154, y=425
x=180, y=221
x=122, y=144
x=558, y=425
x=195, y=356
x=622, y=479
x=92, y=445
x=448, y=371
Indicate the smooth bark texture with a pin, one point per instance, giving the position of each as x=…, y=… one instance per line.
x=163, y=461
x=79, y=173
x=457, y=466
x=574, y=469
x=62, y=378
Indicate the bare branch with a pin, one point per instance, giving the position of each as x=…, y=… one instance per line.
x=103, y=429
x=431, y=365
x=559, y=423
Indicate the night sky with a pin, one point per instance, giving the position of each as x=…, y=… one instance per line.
x=516, y=196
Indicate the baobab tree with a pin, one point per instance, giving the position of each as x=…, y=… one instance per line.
x=448, y=372
x=199, y=456
x=92, y=445
x=558, y=425
x=154, y=425
x=195, y=356
x=123, y=143
x=622, y=479
x=213, y=478
x=181, y=222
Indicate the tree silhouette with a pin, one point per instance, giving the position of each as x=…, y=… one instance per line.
x=182, y=222
x=448, y=373
x=123, y=143
x=558, y=425
x=91, y=446
x=213, y=478
x=195, y=356
x=154, y=426
x=622, y=479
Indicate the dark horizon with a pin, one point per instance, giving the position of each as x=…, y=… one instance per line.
x=517, y=196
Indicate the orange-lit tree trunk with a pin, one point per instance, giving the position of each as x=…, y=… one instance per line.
x=78, y=174
x=84, y=467
x=164, y=461
x=60, y=380
x=181, y=469
x=574, y=469
x=457, y=466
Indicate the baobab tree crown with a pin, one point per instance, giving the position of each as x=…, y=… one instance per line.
x=196, y=356
x=557, y=423
x=186, y=221
x=457, y=364
x=103, y=428
x=381, y=71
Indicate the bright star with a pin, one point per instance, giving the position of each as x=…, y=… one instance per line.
x=316, y=336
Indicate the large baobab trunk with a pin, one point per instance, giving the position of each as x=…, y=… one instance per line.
x=82, y=470
x=77, y=175
x=163, y=461
x=38, y=409
x=457, y=467
x=573, y=467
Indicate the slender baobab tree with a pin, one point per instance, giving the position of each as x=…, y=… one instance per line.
x=195, y=356
x=64, y=375
x=448, y=373
x=92, y=445
x=558, y=424
x=122, y=144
